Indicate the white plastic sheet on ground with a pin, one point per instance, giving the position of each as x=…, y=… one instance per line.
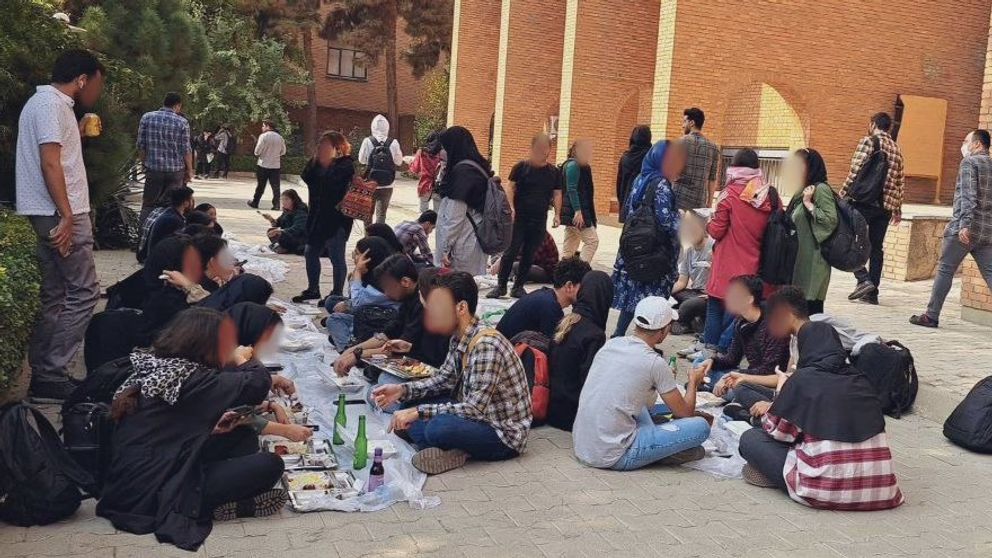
x=722, y=456
x=490, y=310
x=310, y=369
x=272, y=270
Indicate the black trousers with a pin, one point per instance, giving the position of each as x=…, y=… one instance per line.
x=222, y=164
x=272, y=177
x=692, y=308
x=528, y=234
x=202, y=165
x=234, y=469
x=766, y=454
x=747, y=395
x=814, y=306
x=878, y=224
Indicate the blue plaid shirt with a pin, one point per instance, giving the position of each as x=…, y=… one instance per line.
x=164, y=137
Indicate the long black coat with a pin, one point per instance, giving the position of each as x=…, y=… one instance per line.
x=327, y=187
x=569, y=366
x=156, y=473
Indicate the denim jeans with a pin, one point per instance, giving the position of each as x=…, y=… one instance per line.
x=339, y=329
x=385, y=378
x=333, y=248
x=654, y=442
x=952, y=253
x=717, y=320
x=447, y=432
x=623, y=322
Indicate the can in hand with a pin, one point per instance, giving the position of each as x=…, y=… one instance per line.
x=92, y=125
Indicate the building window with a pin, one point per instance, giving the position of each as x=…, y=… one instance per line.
x=346, y=63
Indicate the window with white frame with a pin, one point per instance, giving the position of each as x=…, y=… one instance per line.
x=346, y=63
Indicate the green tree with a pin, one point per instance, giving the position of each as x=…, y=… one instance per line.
x=371, y=25
x=432, y=107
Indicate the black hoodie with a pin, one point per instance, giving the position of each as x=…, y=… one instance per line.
x=630, y=163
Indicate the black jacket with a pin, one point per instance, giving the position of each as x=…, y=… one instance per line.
x=156, y=475
x=327, y=187
x=569, y=366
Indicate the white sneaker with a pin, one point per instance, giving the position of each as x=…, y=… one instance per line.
x=694, y=348
x=701, y=354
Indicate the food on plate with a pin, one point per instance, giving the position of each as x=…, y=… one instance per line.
x=413, y=367
x=290, y=448
x=311, y=480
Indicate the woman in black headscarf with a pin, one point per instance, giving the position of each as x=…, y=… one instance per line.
x=385, y=232
x=825, y=426
x=177, y=259
x=579, y=337
x=463, y=194
x=630, y=163
x=256, y=323
x=246, y=287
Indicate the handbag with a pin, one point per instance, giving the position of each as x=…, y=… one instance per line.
x=358, y=202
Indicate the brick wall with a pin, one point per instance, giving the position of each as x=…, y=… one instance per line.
x=913, y=248
x=474, y=58
x=758, y=116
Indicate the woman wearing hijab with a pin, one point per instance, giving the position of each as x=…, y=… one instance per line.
x=578, y=338
x=257, y=325
x=181, y=459
x=172, y=276
x=246, y=287
x=381, y=169
x=661, y=167
x=630, y=163
x=738, y=227
x=328, y=176
x=385, y=232
x=463, y=194
x=824, y=458
x=814, y=211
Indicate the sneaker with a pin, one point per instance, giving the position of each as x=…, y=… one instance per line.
x=863, y=289
x=435, y=461
x=678, y=328
x=261, y=505
x=703, y=354
x=499, y=291
x=924, y=320
x=754, y=477
x=517, y=292
x=685, y=456
x=305, y=296
x=694, y=348
x=252, y=204
x=51, y=392
x=736, y=411
x=870, y=299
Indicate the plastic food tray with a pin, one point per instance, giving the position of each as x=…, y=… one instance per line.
x=336, y=484
x=318, y=457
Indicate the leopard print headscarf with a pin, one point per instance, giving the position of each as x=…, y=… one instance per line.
x=158, y=377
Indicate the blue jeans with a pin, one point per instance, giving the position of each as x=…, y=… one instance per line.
x=715, y=375
x=623, y=322
x=334, y=249
x=447, y=432
x=339, y=329
x=654, y=442
x=717, y=320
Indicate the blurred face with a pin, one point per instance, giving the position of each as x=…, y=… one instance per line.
x=227, y=340
x=443, y=154
x=268, y=343
x=221, y=265
x=583, y=152
x=396, y=290
x=265, y=127
x=428, y=227
x=793, y=174
x=686, y=124
x=674, y=162
x=540, y=150
x=326, y=152
x=738, y=299
x=212, y=212
x=287, y=203
x=89, y=89
x=780, y=322
x=693, y=229
x=441, y=313
x=192, y=265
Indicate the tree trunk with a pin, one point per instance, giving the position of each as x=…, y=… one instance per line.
x=310, y=120
x=392, y=98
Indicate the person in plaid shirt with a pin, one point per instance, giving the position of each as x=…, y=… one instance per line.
x=477, y=405
x=698, y=182
x=413, y=237
x=887, y=209
x=165, y=149
x=970, y=228
x=821, y=457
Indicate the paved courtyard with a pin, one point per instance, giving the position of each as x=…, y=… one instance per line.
x=546, y=504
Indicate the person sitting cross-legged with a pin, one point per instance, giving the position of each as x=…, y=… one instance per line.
x=477, y=405
x=613, y=428
x=541, y=310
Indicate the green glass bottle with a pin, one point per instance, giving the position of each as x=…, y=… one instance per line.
x=673, y=363
x=361, y=446
x=340, y=421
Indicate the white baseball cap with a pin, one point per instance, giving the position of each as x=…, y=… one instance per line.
x=654, y=313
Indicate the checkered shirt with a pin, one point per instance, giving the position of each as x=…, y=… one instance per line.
x=164, y=137
x=895, y=180
x=701, y=165
x=491, y=389
x=148, y=225
x=973, y=200
x=414, y=240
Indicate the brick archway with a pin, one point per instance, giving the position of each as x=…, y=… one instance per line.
x=762, y=115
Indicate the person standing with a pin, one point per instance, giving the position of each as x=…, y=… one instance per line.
x=381, y=157
x=814, y=211
x=970, y=228
x=698, y=183
x=534, y=185
x=426, y=165
x=578, y=212
x=269, y=150
x=630, y=164
x=463, y=196
x=53, y=193
x=165, y=149
x=881, y=211
x=225, y=142
x=203, y=146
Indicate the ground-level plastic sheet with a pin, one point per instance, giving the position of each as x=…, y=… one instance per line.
x=722, y=456
x=271, y=269
x=308, y=364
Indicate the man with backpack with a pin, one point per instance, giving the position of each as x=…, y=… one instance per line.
x=381, y=156
x=874, y=187
x=970, y=228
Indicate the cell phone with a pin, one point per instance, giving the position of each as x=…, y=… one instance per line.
x=274, y=368
x=243, y=411
x=241, y=263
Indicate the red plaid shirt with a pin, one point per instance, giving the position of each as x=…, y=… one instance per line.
x=895, y=180
x=837, y=475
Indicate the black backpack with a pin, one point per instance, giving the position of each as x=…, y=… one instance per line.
x=39, y=482
x=868, y=185
x=970, y=424
x=101, y=384
x=87, y=434
x=779, y=245
x=646, y=250
x=891, y=370
x=847, y=248
x=113, y=334
x=381, y=167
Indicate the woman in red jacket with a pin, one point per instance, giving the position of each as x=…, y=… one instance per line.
x=738, y=226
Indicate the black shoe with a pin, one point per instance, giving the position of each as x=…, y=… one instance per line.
x=305, y=296
x=275, y=208
x=924, y=320
x=870, y=299
x=51, y=392
x=252, y=204
x=261, y=505
x=736, y=411
x=517, y=292
x=499, y=291
x=864, y=288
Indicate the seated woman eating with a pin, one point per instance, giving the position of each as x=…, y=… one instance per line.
x=288, y=231
x=751, y=341
x=823, y=438
x=219, y=265
x=181, y=456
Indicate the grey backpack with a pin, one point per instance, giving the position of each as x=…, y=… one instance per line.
x=495, y=229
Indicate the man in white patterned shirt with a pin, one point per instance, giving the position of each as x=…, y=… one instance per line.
x=477, y=405
x=53, y=192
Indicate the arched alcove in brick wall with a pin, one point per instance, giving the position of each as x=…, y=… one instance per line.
x=759, y=116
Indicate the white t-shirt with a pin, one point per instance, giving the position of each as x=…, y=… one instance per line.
x=625, y=377
x=270, y=149
x=47, y=117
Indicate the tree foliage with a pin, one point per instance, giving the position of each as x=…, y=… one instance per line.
x=432, y=107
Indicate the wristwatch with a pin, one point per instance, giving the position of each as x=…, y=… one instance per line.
x=358, y=353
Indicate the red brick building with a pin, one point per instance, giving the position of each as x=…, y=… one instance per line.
x=769, y=74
